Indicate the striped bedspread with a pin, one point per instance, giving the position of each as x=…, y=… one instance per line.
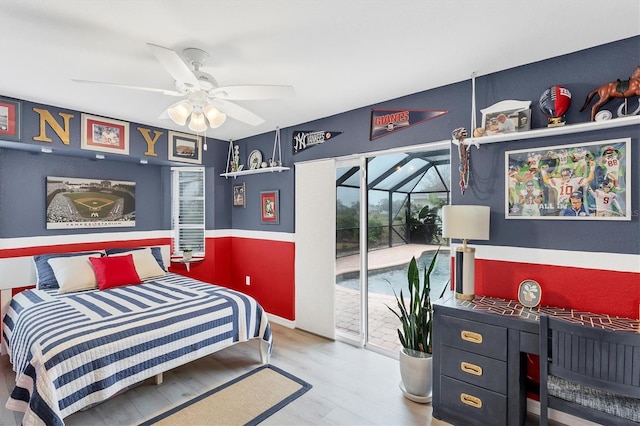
x=71, y=351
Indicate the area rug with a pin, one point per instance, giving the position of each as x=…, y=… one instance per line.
x=246, y=400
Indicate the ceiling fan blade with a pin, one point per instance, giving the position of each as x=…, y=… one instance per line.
x=239, y=113
x=125, y=86
x=174, y=64
x=250, y=92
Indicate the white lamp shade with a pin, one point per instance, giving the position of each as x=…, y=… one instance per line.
x=215, y=117
x=179, y=112
x=465, y=222
x=197, y=123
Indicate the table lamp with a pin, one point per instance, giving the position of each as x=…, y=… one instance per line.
x=465, y=223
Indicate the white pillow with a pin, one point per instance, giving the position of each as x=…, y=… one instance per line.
x=74, y=273
x=146, y=265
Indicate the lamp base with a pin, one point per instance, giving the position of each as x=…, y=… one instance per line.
x=465, y=296
x=465, y=273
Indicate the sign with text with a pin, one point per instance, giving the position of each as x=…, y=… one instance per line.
x=385, y=121
x=303, y=139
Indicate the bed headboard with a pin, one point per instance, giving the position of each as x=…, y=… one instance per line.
x=19, y=272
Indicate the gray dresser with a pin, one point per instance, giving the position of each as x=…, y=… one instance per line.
x=480, y=352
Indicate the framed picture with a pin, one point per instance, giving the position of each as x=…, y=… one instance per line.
x=584, y=181
x=9, y=120
x=506, y=117
x=185, y=147
x=269, y=207
x=104, y=134
x=239, y=195
x=90, y=203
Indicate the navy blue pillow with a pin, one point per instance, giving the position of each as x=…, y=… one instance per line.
x=44, y=272
x=155, y=251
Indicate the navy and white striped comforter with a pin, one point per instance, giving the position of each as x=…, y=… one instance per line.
x=71, y=351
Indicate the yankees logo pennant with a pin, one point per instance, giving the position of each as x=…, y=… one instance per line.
x=303, y=139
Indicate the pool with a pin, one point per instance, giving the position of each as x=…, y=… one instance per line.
x=385, y=280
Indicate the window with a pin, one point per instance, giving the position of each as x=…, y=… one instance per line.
x=187, y=210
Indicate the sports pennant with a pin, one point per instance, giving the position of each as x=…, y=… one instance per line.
x=303, y=139
x=386, y=121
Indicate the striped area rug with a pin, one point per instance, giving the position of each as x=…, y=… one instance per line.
x=245, y=400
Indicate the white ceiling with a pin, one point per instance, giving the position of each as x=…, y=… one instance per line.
x=338, y=54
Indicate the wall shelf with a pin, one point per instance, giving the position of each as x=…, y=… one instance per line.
x=554, y=131
x=233, y=161
x=254, y=171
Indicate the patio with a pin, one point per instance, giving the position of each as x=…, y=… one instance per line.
x=383, y=324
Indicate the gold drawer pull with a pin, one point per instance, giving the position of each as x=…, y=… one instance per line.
x=470, y=400
x=470, y=336
x=476, y=370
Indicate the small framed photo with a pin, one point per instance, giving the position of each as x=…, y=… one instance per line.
x=9, y=120
x=239, y=195
x=105, y=135
x=506, y=117
x=269, y=207
x=185, y=147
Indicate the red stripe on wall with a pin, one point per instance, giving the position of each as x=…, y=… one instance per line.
x=592, y=290
x=269, y=264
x=271, y=268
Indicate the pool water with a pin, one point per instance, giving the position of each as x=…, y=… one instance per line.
x=384, y=281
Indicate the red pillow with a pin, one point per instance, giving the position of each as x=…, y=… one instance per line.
x=114, y=271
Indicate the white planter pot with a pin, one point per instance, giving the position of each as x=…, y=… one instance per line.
x=416, y=370
x=186, y=255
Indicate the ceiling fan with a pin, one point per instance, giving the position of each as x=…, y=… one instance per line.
x=204, y=103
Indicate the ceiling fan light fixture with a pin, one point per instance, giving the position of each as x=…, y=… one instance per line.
x=197, y=122
x=216, y=117
x=180, y=111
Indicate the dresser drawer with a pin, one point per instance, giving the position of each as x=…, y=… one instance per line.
x=480, y=338
x=476, y=369
x=477, y=405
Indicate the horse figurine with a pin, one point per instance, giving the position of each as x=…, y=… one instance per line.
x=615, y=89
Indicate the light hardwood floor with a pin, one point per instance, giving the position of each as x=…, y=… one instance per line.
x=351, y=386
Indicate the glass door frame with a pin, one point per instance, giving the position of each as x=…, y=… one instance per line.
x=361, y=338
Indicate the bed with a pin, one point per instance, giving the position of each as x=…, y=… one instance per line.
x=73, y=348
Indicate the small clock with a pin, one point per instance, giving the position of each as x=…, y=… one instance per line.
x=255, y=159
x=529, y=293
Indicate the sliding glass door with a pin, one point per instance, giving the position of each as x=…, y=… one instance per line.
x=387, y=211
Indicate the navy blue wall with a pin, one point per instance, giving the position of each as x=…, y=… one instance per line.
x=23, y=191
x=23, y=170
x=580, y=72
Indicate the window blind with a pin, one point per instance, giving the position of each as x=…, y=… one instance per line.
x=188, y=210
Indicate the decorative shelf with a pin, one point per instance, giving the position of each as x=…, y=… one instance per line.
x=233, y=156
x=254, y=171
x=554, y=131
x=186, y=262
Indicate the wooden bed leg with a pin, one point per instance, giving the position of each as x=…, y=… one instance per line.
x=264, y=352
x=158, y=379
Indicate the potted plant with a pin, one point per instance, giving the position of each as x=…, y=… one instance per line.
x=415, y=336
x=186, y=254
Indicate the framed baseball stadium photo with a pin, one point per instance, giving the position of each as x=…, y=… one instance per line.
x=584, y=181
x=185, y=148
x=90, y=203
